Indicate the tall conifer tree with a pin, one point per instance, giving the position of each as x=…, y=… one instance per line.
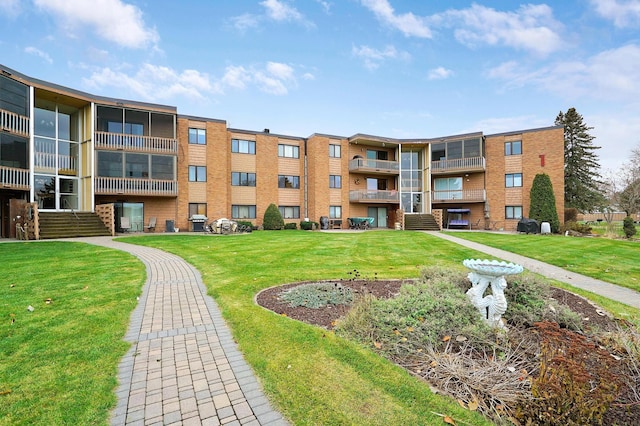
x=581, y=167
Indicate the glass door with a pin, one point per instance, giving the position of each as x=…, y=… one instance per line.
x=379, y=215
x=133, y=211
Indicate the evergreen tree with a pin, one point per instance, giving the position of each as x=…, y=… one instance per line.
x=543, y=202
x=581, y=167
x=272, y=218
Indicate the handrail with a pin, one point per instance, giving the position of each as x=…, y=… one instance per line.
x=64, y=200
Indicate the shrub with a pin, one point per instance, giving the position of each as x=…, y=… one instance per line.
x=571, y=215
x=272, y=218
x=543, y=202
x=291, y=225
x=628, y=227
x=577, y=227
x=317, y=295
x=245, y=223
x=308, y=225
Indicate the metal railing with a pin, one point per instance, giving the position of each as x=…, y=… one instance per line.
x=11, y=177
x=366, y=164
x=470, y=195
x=374, y=196
x=107, y=140
x=14, y=123
x=470, y=164
x=132, y=186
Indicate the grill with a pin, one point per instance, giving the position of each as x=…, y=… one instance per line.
x=197, y=222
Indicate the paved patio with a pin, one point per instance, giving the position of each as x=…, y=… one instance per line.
x=183, y=367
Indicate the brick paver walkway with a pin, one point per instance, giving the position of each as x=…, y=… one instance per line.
x=184, y=367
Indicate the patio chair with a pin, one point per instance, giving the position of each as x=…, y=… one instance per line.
x=152, y=224
x=125, y=224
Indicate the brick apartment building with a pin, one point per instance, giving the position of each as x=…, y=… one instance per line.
x=66, y=150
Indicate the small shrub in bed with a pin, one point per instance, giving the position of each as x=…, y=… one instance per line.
x=317, y=295
x=308, y=225
x=628, y=227
x=273, y=218
x=290, y=226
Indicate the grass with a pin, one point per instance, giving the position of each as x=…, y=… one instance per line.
x=611, y=260
x=58, y=363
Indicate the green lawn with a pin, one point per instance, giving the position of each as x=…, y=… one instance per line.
x=58, y=363
x=613, y=260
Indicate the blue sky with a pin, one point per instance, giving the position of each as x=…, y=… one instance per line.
x=401, y=69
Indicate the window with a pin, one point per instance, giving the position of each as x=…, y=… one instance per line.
x=243, y=212
x=243, y=147
x=513, y=180
x=335, y=181
x=197, y=208
x=513, y=212
x=513, y=148
x=13, y=151
x=288, y=151
x=289, y=182
x=162, y=167
x=290, y=212
x=448, y=188
x=334, y=151
x=243, y=179
x=197, y=173
x=335, y=212
x=197, y=136
x=136, y=165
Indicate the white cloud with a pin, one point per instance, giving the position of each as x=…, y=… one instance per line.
x=409, y=24
x=609, y=75
x=37, y=52
x=111, y=20
x=325, y=5
x=274, y=78
x=374, y=57
x=623, y=13
x=531, y=28
x=245, y=21
x=439, y=73
x=10, y=8
x=280, y=11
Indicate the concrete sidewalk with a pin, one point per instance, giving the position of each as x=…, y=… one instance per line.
x=608, y=290
x=183, y=367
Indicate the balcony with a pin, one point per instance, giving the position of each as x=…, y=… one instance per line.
x=14, y=123
x=13, y=178
x=459, y=196
x=471, y=164
x=376, y=167
x=130, y=186
x=45, y=162
x=381, y=197
x=119, y=141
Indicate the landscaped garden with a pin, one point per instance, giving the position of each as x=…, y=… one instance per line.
x=312, y=374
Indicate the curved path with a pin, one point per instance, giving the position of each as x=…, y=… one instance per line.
x=603, y=288
x=183, y=367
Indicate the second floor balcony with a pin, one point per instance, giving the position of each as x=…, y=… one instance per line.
x=14, y=123
x=372, y=196
x=133, y=186
x=458, y=196
x=470, y=164
x=379, y=167
x=13, y=178
x=119, y=141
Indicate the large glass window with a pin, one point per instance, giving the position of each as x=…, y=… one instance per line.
x=334, y=151
x=288, y=151
x=513, y=148
x=243, y=146
x=162, y=167
x=335, y=181
x=197, y=136
x=288, y=181
x=243, y=179
x=513, y=180
x=197, y=173
x=44, y=123
x=243, y=212
x=197, y=208
x=110, y=164
x=14, y=96
x=448, y=188
x=136, y=165
x=290, y=212
x=45, y=191
x=335, y=212
x=13, y=151
x=513, y=212
x=411, y=181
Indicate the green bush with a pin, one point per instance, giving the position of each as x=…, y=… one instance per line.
x=290, y=226
x=629, y=227
x=245, y=223
x=317, y=295
x=272, y=219
x=543, y=202
x=308, y=225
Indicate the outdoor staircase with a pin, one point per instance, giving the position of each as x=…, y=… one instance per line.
x=71, y=224
x=420, y=222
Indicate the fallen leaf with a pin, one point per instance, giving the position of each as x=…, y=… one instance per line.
x=378, y=345
x=30, y=308
x=434, y=363
x=472, y=405
x=396, y=332
x=5, y=392
x=404, y=339
x=48, y=301
x=460, y=339
x=448, y=420
x=283, y=314
x=461, y=403
x=446, y=338
x=409, y=329
x=12, y=286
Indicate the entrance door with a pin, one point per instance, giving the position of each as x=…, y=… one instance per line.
x=379, y=215
x=135, y=213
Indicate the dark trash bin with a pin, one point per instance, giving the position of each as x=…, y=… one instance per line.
x=169, y=226
x=324, y=222
x=528, y=226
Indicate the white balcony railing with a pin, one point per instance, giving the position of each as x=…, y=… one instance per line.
x=65, y=164
x=469, y=195
x=10, y=177
x=368, y=165
x=363, y=196
x=131, y=186
x=14, y=123
x=469, y=164
x=107, y=140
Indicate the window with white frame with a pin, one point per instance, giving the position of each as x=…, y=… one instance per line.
x=243, y=211
x=513, y=180
x=243, y=179
x=288, y=151
x=335, y=212
x=197, y=173
x=290, y=212
x=242, y=146
x=335, y=181
x=513, y=212
x=334, y=150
